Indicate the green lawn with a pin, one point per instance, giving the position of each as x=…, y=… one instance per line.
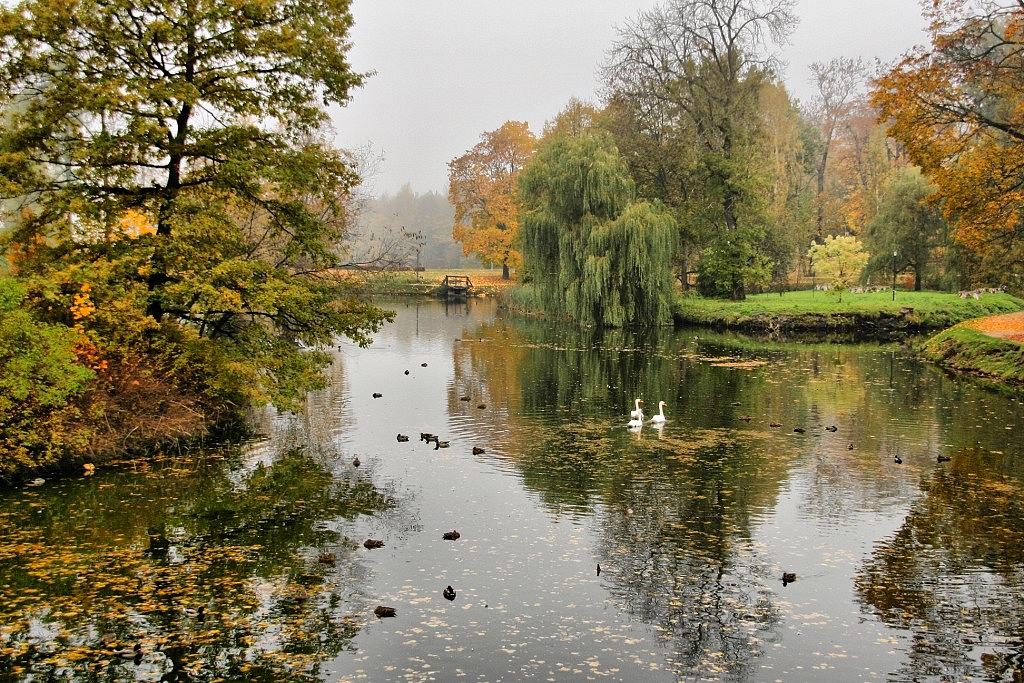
x=809, y=309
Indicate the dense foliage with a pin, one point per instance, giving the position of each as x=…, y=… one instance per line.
x=840, y=260
x=39, y=377
x=172, y=200
x=597, y=257
x=958, y=106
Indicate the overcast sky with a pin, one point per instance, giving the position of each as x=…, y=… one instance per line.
x=447, y=70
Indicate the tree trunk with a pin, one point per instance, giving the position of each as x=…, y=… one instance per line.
x=917, y=279
x=504, y=270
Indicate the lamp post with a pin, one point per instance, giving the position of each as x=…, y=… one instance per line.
x=894, y=276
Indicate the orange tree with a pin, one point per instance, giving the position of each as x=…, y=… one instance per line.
x=958, y=106
x=482, y=188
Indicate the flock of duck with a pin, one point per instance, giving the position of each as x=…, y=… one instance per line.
x=383, y=611
x=637, y=419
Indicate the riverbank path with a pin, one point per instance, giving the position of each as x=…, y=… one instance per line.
x=1009, y=326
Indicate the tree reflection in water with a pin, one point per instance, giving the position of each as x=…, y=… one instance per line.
x=953, y=575
x=675, y=511
x=186, y=570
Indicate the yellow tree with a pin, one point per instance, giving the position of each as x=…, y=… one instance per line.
x=482, y=188
x=958, y=106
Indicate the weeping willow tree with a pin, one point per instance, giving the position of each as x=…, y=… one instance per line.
x=595, y=256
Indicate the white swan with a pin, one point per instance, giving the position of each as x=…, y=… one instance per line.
x=660, y=417
x=635, y=423
x=637, y=414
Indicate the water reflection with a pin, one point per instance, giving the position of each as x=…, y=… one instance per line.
x=183, y=570
x=679, y=506
x=905, y=571
x=952, y=576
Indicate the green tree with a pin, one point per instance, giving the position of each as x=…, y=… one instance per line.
x=702, y=63
x=174, y=158
x=597, y=257
x=908, y=225
x=841, y=259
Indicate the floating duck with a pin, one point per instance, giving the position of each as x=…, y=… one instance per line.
x=448, y=593
x=897, y=459
x=371, y=544
x=197, y=614
x=465, y=398
x=356, y=463
x=735, y=403
x=407, y=372
x=745, y=418
x=451, y=535
x=850, y=447
x=441, y=444
x=788, y=578
x=381, y=612
x=39, y=481
x=327, y=558
x=478, y=451
x=774, y=425
x=943, y=458
x=129, y=653
x=832, y=428
x=799, y=430
x=426, y=436
x=423, y=365
x=377, y=395
x=402, y=438
x=482, y=406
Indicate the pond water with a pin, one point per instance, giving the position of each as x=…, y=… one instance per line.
x=247, y=563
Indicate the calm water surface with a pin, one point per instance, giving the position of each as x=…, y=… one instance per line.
x=247, y=563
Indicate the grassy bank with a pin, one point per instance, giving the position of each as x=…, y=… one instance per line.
x=965, y=349
x=823, y=311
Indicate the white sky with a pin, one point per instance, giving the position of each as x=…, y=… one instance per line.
x=447, y=70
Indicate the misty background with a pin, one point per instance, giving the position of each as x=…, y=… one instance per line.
x=445, y=71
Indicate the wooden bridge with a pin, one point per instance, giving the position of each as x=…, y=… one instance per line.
x=457, y=285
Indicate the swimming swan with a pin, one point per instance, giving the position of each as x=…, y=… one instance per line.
x=660, y=417
x=635, y=423
x=637, y=414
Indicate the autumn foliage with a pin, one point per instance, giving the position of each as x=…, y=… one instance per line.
x=958, y=107
x=482, y=188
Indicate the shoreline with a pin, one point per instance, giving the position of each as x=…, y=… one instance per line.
x=965, y=350
x=864, y=315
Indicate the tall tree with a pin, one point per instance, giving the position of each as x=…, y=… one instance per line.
x=482, y=188
x=706, y=59
x=907, y=225
x=204, y=117
x=958, y=106
x=837, y=83
x=597, y=257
